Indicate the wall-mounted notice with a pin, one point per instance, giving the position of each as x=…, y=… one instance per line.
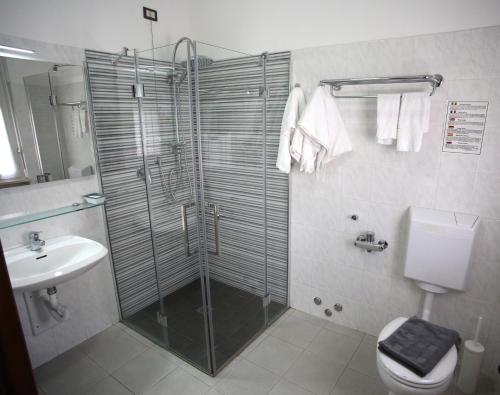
x=464, y=126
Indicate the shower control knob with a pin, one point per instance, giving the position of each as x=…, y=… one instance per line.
x=328, y=312
x=317, y=300
x=338, y=307
x=383, y=243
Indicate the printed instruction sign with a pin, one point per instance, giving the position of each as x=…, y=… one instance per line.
x=464, y=126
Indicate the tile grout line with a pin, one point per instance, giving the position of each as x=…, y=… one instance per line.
x=152, y=385
x=119, y=366
x=347, y=364
x=304, y=349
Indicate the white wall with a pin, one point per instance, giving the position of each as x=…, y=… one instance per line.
x=94, y=24
x=263, y=25
x=379, y=184
x=251, y=26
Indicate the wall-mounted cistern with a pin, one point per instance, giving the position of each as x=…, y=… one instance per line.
x=367, y=241
x=36, y=244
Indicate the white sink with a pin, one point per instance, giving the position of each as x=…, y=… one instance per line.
x=60, y=260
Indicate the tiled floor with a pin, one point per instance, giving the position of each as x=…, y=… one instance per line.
x=299, y=354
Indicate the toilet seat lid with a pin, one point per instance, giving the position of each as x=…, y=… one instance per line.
x=435, y=377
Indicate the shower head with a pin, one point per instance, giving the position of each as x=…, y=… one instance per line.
x=203, y=62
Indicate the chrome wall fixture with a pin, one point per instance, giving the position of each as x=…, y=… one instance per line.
x=367, y=242
x=121, y=54
x=434, y=80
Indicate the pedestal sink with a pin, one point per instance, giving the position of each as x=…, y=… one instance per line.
x=60, y=260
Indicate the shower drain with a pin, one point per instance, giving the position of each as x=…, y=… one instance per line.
x=200, y=309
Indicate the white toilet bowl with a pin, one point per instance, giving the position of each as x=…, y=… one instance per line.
x=402, y=381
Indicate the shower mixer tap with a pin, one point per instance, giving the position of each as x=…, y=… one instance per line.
x=367, y=242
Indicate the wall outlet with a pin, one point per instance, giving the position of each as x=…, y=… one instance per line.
x=149, y=13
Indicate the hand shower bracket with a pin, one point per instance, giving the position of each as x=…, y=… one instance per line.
x=367, y=242
x=138, y=90
x=177, y=147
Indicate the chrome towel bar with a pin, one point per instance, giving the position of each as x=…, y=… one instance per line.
x=434, y=80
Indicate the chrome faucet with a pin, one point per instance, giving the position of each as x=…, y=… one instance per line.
x=36, y=243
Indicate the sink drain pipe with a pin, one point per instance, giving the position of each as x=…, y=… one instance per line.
x=56, y=309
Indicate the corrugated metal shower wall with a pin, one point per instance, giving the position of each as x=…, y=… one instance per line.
x=234, y=179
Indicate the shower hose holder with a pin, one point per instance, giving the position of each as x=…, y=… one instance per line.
x=367, y=242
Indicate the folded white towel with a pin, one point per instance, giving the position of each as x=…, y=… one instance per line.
x=414, y=117
x=294, y=107
x=325, y=135
x=387, y=117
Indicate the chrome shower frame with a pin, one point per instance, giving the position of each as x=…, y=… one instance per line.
x=199, y=194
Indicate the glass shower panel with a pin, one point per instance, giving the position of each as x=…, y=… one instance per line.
x=118, y=142
x=180, y=320
x=231, y=97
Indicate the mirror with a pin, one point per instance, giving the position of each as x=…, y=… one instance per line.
x=44, y=125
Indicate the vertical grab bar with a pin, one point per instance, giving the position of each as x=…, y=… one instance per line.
x=185, y=230
x=216, y=213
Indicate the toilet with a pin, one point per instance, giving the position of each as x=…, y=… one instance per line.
x=438, y=259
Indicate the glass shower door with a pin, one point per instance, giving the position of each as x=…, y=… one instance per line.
x=242, y=99
x=232, y=135
x=179, y=319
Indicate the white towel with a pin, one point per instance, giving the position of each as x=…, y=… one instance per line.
x=387, y=117
x=76, y=122
x=294, y=107
x=325, y=135
x=79, y=122
x=297, y=144
x=414, y=117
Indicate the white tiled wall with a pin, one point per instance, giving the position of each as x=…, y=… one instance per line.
x=379, y=184
x=90, y=297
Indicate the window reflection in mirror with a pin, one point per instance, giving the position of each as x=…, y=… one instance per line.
x=44, y=129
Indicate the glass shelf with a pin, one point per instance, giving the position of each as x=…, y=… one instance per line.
x=10, y=220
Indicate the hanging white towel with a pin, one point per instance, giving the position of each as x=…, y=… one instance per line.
x=79, y=122
x=83, y=121
x=387, y=117
x=296, y=145
x=294, y=107
x=76, y=122
x=414, y=117
x=325, y=135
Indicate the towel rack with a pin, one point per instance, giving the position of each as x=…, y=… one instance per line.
x=336, y=85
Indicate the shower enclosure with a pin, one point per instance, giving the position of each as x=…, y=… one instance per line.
x=186, y=137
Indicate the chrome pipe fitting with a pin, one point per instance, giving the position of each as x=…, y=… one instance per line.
x=367, y=242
